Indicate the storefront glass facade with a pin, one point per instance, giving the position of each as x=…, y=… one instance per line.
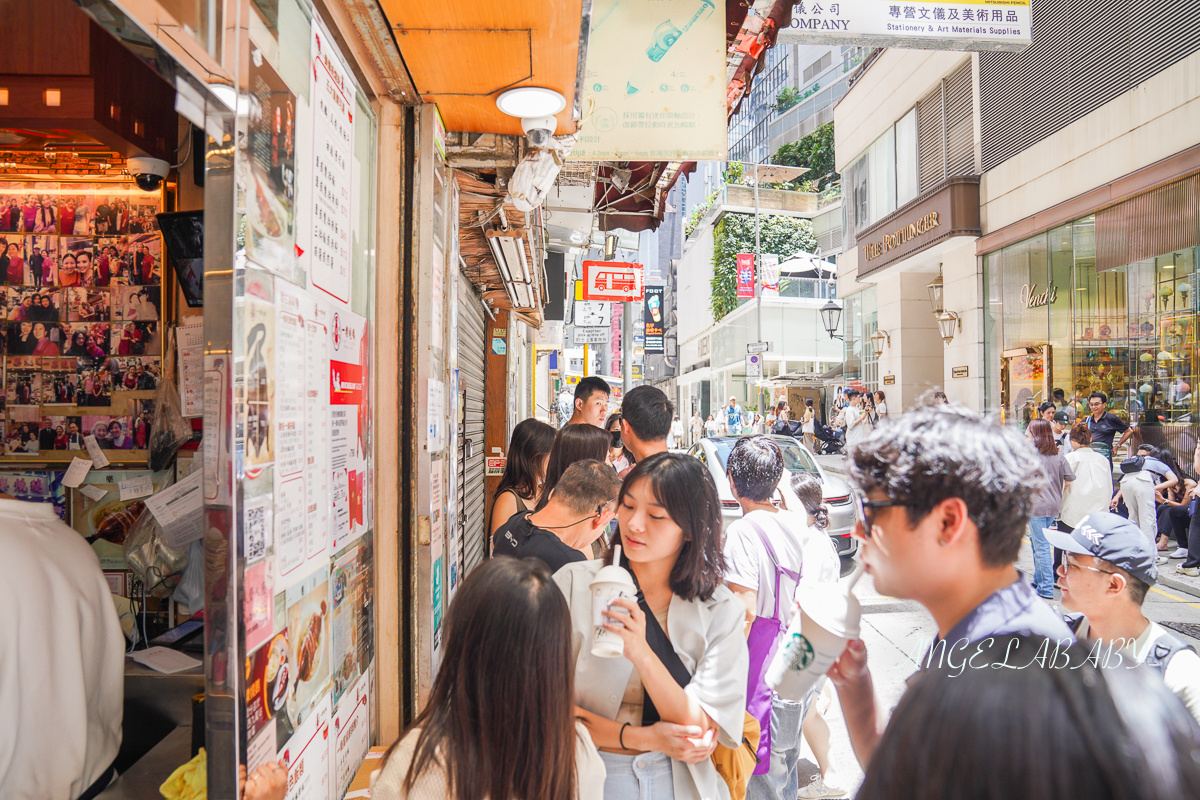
x=1052, y=321
x=860, y=320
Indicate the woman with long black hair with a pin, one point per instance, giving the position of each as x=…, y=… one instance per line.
x=499, y=723
x=1047, y=506
x=524, y=470
x=658, y=712
x=577, y=442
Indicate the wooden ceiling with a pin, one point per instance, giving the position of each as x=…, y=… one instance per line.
x=463, y=53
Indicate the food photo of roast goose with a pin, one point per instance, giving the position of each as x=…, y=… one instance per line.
x=113, y=522
x=308, y=653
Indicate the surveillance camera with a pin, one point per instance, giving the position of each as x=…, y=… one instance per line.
x=148, y=172
x=539, y=130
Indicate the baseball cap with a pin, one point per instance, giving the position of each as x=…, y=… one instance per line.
x=1062, y=418
x=1114, y=539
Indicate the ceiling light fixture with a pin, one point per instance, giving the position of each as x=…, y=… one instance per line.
x=531, y=101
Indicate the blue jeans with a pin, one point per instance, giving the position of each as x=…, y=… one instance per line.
x=1043, y=557
x=642, y=777
x=781, y=781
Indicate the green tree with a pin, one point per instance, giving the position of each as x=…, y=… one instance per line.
x=788, y=97
x=734, y=233
x=814, y=151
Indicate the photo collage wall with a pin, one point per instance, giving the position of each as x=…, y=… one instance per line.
x=81, y=268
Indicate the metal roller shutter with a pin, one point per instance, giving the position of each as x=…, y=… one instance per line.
x=472, y=349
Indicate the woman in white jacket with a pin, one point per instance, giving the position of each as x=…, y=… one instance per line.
x=656, y=729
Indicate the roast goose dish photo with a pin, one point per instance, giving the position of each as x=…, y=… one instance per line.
x=308, y=652
x=113, y=521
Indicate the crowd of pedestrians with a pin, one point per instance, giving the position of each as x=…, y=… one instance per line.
x=944, y=499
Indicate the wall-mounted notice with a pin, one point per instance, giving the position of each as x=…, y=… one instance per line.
x=316, y=424
x=271, y=153
x=308, y=634
x=258, y=375
x=349, y=426
x=351, y=735
x=333, y=147
x=189, y=341
x=306, y=756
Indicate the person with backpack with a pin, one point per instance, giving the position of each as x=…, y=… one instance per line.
x=764, y=560
x=1144, y=477
x=1108, y=567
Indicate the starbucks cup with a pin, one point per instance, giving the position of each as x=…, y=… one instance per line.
x=611, y=583
x=828, y=619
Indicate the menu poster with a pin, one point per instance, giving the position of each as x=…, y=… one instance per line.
x=351, y=735
x=271, y=154
x=316, y=425
x=333, y=148
x=308, y=631
x=270, y=673
x=306, y=756
x=350, y=426
x=347, y=600
x=258, y=374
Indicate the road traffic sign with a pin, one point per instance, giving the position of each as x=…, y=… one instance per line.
x=593, y=335
x=753, y=366
x=619, y=281
x=758, y=347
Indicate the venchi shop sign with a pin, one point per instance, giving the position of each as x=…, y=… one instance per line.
x=891, y=241
x=945, y=211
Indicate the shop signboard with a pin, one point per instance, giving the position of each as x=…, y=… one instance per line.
x=653, y=315
x=619, y=281
x=745, y=276
x=655, y=82
x=913, y=24
x=889, y=380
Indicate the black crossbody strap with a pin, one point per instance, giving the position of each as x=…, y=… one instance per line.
x=658, y=641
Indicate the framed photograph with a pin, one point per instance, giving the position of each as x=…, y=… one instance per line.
x=136, y=339
x=94, y=378
x=60, y=381
x=76, y=261
x=108, y=259
x=12, y=259
x=88, y=339
x=41, y=259
x=136, y=374
x=88, y=305
x=140, y=303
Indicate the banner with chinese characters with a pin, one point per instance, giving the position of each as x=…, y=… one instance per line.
x=745, y=276
x=916, y=24
x=655, y=83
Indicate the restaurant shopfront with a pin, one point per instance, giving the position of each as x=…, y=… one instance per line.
x=1105, y=301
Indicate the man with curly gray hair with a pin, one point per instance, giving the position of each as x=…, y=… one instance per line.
x=943, y=501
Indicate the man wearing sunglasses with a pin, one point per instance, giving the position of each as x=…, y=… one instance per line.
x=1107, y=568
x=944, y=498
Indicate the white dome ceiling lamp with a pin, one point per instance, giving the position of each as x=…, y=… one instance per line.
x=535, y=106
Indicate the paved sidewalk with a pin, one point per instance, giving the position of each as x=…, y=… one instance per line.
x=832, y=464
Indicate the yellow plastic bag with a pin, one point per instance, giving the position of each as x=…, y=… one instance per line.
x=189, y=782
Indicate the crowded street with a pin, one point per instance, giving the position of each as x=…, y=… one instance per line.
x=600, y=400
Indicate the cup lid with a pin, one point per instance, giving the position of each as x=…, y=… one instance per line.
x=831, y=607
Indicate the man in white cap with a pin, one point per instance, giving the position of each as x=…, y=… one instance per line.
x=1107, y=568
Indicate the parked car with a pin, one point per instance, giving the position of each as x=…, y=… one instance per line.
x=714, y=454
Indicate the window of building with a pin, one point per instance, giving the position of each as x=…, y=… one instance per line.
x=884, y=178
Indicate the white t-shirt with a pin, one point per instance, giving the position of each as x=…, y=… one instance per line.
x=855, y=433
x=62, y=667
x=1182, y=675
x=798, y=548
x=881, y=409
x=710, y=427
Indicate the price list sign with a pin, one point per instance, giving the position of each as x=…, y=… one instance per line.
x=333, y=146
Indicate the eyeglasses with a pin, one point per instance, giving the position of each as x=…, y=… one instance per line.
x=1069, y=565
x=863, y=507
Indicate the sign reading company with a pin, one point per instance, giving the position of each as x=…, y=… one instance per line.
x=613, y=280
x=890, y=241
x=914, y=24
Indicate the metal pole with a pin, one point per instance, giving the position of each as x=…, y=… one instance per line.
x=587, y=357
x=757, y=285
x=627, y=344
